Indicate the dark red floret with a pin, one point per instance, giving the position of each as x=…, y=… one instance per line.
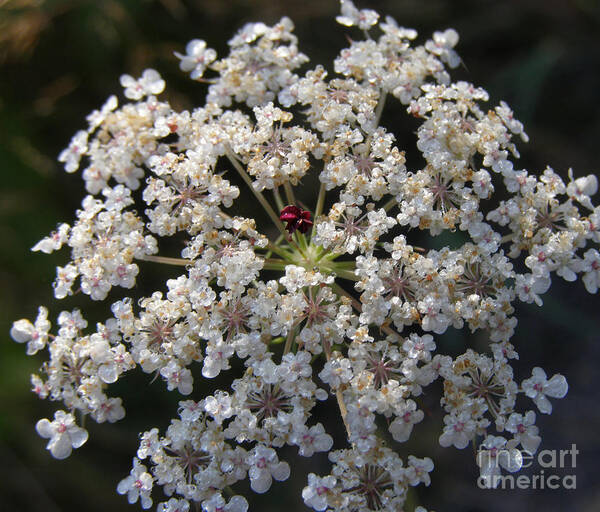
x=296, y=218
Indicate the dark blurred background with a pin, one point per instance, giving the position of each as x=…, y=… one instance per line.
x=60, y=59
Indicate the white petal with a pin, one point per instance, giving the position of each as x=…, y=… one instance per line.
x=511, y=460
x=557, y=386
x=400, y=430
x=146, y=501
x=44, y=428
x=281, y=471
x=78, y=436
x=262, y=484
x=108, y=373
x=60, y=447
x=237, y=504
x=539, y=373
x=124, y=485
x=543, y=404
x=127, y=81
x=530, y=442
x=21, y=331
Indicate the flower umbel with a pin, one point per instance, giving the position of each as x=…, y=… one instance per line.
x=326, y=302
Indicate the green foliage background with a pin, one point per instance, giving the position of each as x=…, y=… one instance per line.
x=60, y=59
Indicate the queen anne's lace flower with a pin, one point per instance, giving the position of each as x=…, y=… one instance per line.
x=363, y=19
x=331, y=300
x=63, y=433
x=35, y=335
x=497, y=453
x=137, y=485
x=149, y=83
x=197, y=58
x=538, y=387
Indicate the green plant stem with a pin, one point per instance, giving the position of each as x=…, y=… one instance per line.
x=274, y=264
x=289, y=340
x=346, y=265
x=278, y=199
x=301, y=241
x=289, y=193
x=280, y=252
x=318, y=208
x=390, y=204
x=165, y=260
x=344, y=274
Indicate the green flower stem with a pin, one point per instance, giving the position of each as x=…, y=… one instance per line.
x=318, y=207
x=289, y=193
x=302, y=241
x=287, y=256
x=274, y=264
x=344, y=274
x=299, y=251
x=165, y=260
x=320, y=200
x=346, y=265
x=390, y=204
x=289, y=340
x=261, y=199
x=278, y=199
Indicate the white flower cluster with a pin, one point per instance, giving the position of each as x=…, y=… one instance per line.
x=334, y=303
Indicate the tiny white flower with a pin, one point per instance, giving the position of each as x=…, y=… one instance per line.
x=72, y=155
x=407, y=417
x=264, y=466
x=219, y=406
x=498, y=453
x=524, y=430
x=318, y=489
x=150, y=83
x=137, y=485
x=351, y=16
x=443, y=44
x=311, y=440
x=537, y=387
x=111, y=410
x=590, y=266
x=178, y=378
x=97, y=117
x=53, y=242
x=173, y=505
x=63, y=433
x=217, y=503
x=35, y=335
x=458, y=431
x=418, y=470
x=197, y=58
x=582, y=188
